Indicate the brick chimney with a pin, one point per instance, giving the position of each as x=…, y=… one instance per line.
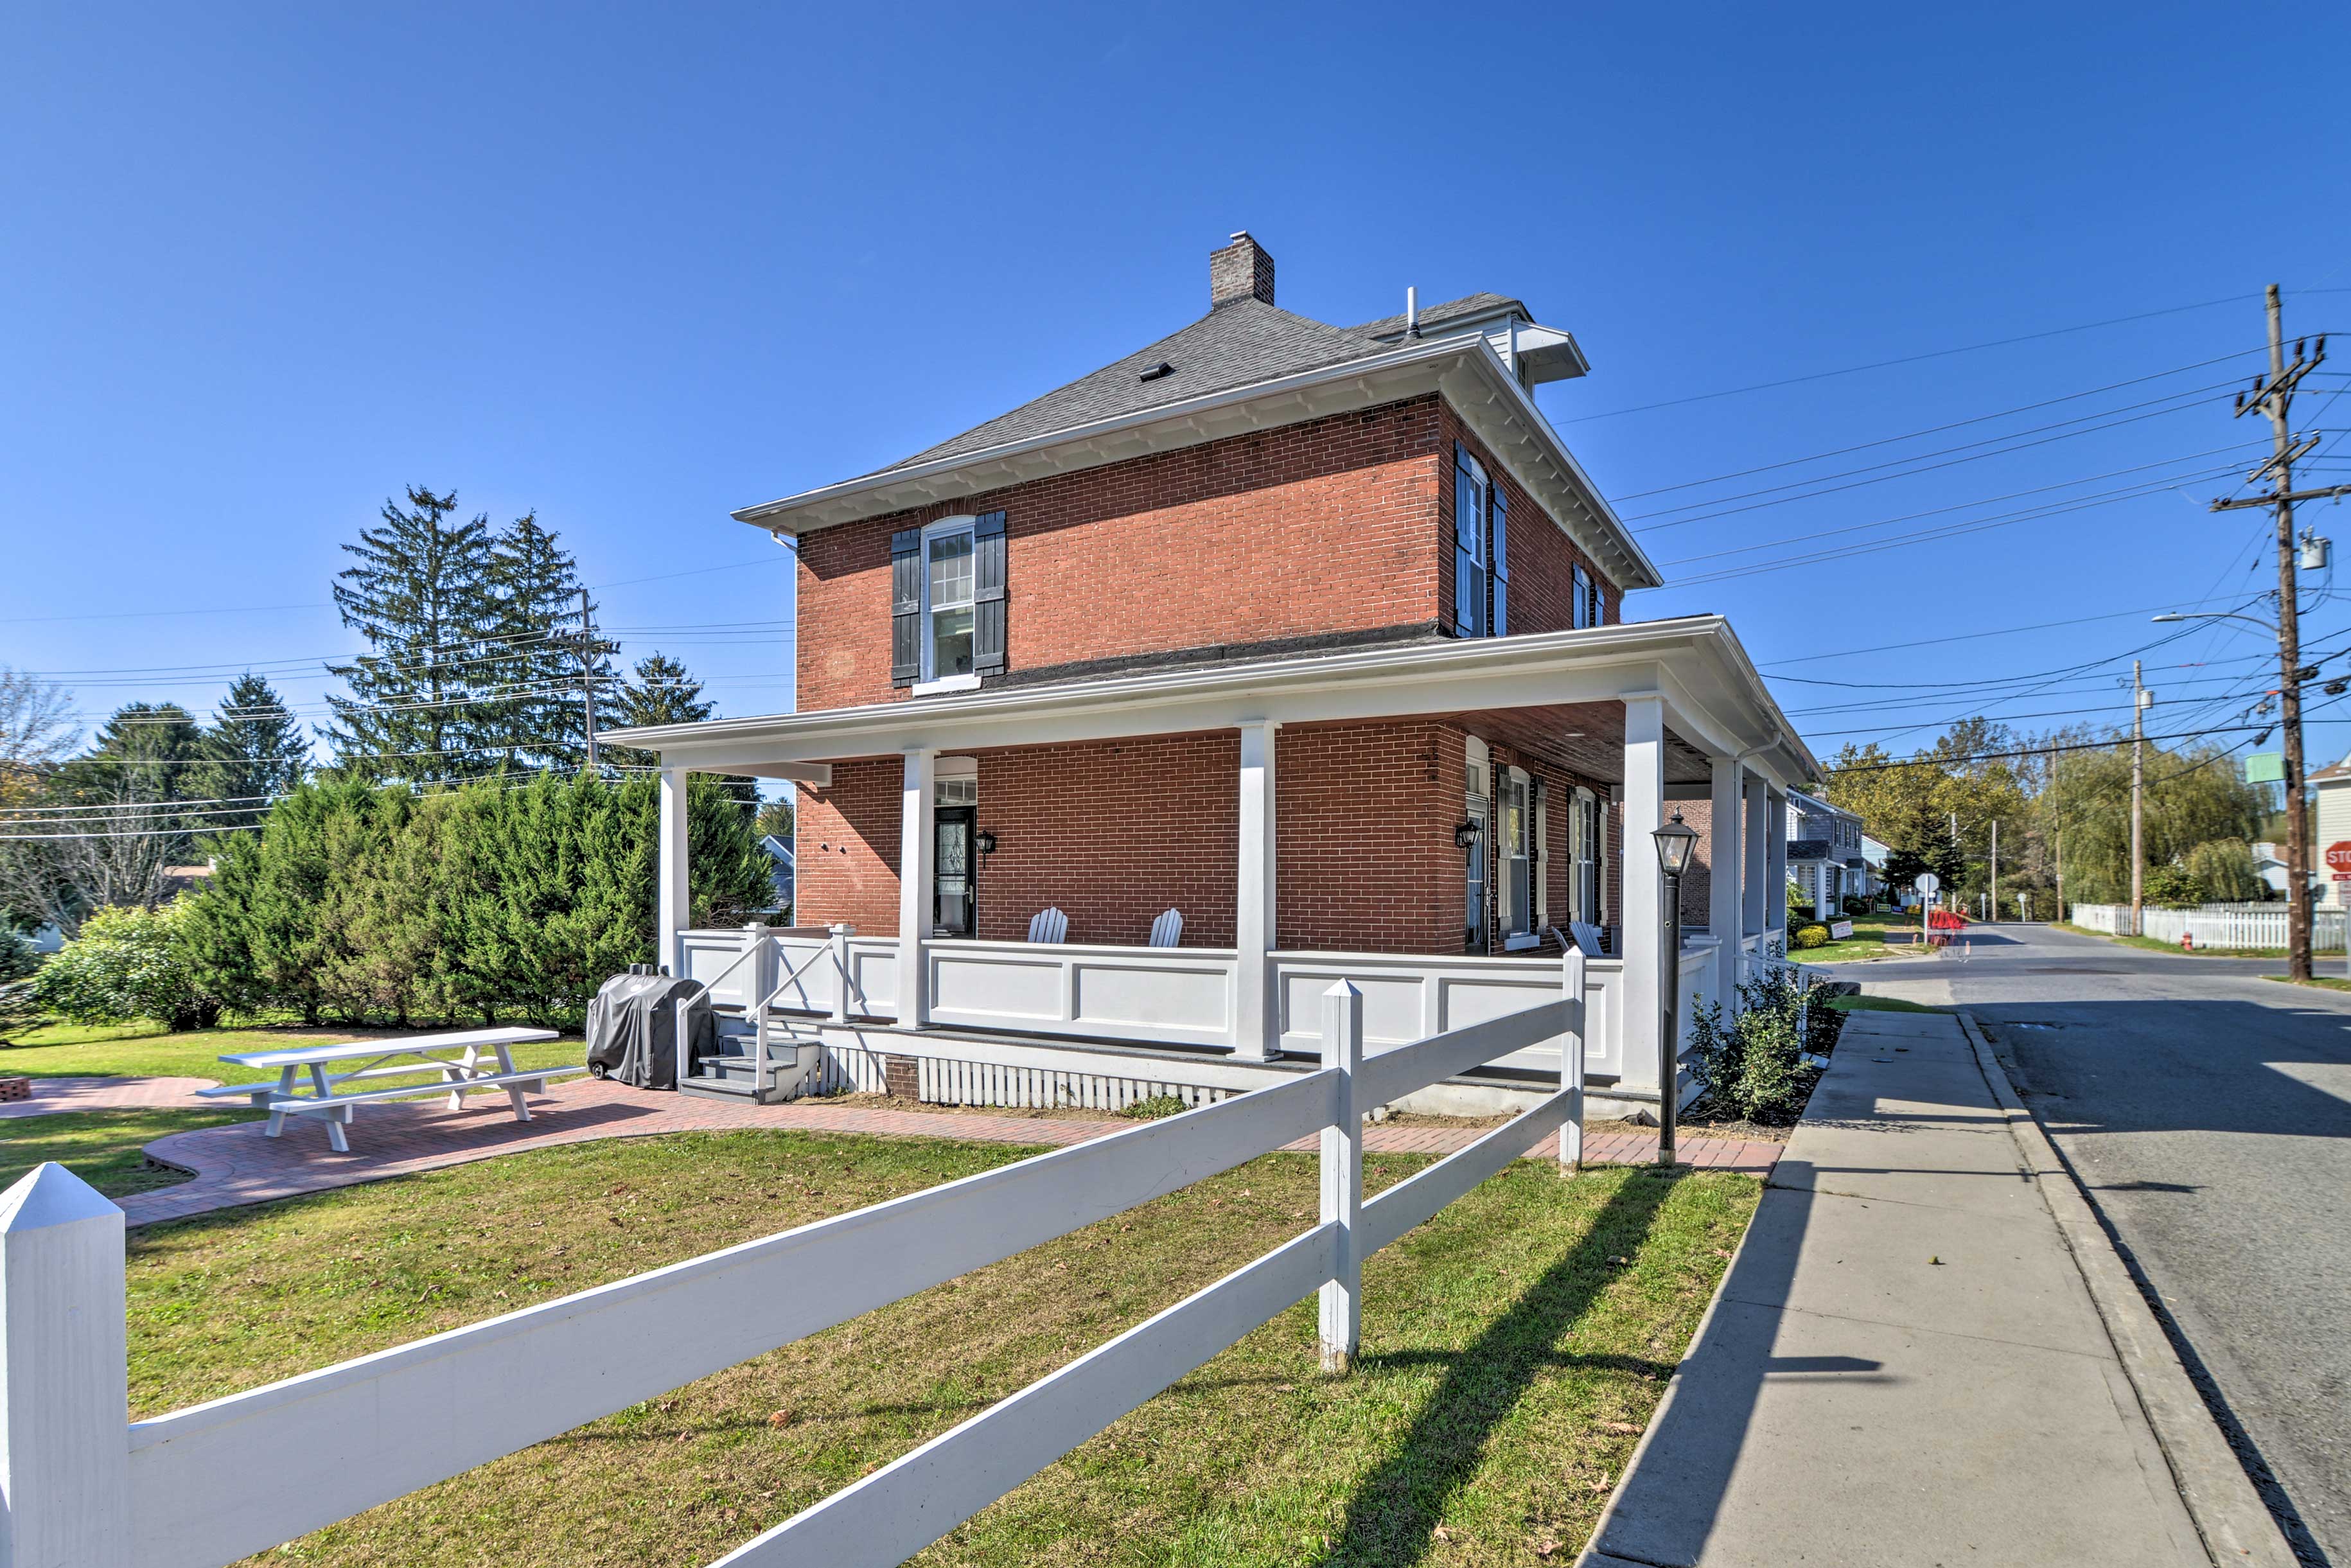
x=1242, y=270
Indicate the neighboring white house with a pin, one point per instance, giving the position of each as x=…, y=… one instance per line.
x=2330, y=788
x=779, y=861
x=1873, y=855
x=1825, y=854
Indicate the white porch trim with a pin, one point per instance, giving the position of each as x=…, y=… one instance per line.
x=1644, y=913
x=917, y=848
x=1255, y=1027
x=1726, y=873
x=675, y=898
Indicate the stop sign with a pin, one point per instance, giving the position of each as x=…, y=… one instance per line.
x=2338, y=858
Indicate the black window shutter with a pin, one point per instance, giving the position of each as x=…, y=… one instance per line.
x=905, y=607
x=1499, y=510
x=1469, y=582
x=988, y=560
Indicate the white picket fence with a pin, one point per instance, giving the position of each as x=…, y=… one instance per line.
x=2239, y=926
x=216, y=1482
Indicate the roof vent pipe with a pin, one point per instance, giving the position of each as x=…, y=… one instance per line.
x=1411, y=311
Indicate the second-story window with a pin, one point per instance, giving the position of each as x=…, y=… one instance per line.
x=947, y=599
x=1481, y=550
x=947, y=603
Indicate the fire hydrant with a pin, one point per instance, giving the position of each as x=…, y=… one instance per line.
x=2188, y=941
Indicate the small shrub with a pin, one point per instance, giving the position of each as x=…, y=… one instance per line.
x=19, y=1010
x=1752, y=1067
x=126, y=964
x=1810, y=937
x=1156, y=1107
x=1855, y=904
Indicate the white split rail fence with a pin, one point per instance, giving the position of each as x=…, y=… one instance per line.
x=80, y=1486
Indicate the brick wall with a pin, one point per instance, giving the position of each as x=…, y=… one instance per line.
x=1542, y=558
x=1364, y=834
x=1111, y=834
x=846, y=857
x=1318, y=528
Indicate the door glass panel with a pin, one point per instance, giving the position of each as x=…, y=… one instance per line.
x=952, y=899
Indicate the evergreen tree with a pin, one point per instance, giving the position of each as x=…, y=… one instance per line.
x=255, y=753
x=536, y=711
x=660, y=691
x=775, y=818
x=422, y=595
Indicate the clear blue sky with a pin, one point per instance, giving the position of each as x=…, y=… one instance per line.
x=632, y=267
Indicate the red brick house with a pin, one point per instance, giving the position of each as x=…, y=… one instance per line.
x=1312, y=634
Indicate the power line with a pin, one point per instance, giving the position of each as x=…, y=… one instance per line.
x=1936, y=429
x=1904, y=360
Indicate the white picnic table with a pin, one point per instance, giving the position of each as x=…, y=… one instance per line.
x=457, y=1057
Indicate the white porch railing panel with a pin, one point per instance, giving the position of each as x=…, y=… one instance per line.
x=349, y=1437
x=1172, y=995
x=1411, y=996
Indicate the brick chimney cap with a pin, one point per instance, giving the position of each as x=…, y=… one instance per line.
x=1240, y=270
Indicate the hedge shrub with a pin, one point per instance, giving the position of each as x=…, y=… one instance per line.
x=1809, y=937
x=490, y=901
x=1753, y=1067
x=128, y=963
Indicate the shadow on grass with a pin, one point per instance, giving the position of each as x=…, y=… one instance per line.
x=1393, y=1514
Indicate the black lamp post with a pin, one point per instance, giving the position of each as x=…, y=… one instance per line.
x=1676, y=840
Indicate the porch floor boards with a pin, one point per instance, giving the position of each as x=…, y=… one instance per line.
x=237, y=1165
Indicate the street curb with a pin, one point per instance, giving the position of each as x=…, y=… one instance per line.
x=2236, y=1526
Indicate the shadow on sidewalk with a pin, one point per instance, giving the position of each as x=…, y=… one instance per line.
x=1393, y=1516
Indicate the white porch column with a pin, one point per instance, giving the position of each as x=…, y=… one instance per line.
x=1256, y=1016
x=1644, y=909
x=675, y=904
x=1726, y=877
x=917, y=842
x=1775, y=865
x=1759, y=883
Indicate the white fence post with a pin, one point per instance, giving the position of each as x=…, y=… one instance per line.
x=1342, y=1178
x=1570, y=1062
x=65, y=1456
x=841, y=936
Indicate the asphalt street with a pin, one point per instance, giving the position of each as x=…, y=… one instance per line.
x=2209, y=1110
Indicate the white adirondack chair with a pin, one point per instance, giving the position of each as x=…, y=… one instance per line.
x=1168, y=929
x=1587, y=937
x=1049, y=926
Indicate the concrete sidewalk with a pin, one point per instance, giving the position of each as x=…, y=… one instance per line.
x=1906, y=1365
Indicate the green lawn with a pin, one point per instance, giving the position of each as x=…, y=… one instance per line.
x=2322, y=982
x=152, y=1051
x=1513, y=1349
x=1867, y=941
x=102, y=1147
x=1869, y=1003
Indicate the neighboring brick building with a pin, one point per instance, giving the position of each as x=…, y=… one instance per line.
x=1312, y=634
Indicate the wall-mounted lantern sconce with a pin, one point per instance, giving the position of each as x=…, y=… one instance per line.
x=986, y=840
x=1465, y=835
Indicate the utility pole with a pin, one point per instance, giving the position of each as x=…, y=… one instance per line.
x=588, y=673
x=1995, y=870
x=2273, y=394
x=2138, y=854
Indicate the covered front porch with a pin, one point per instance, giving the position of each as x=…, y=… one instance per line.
x=1429, y=821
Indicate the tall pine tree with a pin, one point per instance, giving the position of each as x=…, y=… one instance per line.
x=660, y=691
x=422, y=595
x=255, y=752
x=535, y=712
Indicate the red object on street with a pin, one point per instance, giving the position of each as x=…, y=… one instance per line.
x=2188, y=941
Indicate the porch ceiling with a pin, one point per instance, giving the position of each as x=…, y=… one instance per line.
x=1537, y=687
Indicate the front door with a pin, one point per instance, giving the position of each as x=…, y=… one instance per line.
x=952, y=888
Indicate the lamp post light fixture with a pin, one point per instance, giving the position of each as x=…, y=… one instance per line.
x=984, y=841
x=1676, y=841
x=1465, y=835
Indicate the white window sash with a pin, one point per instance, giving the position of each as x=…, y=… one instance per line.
x=945, y=528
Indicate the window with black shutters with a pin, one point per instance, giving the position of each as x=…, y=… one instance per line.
x=1482, y=551
x=947, y=601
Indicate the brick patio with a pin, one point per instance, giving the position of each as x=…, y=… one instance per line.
x=238, y=1164
x=51, y=1095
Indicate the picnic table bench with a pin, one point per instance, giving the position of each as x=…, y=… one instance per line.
x=456, y=1059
